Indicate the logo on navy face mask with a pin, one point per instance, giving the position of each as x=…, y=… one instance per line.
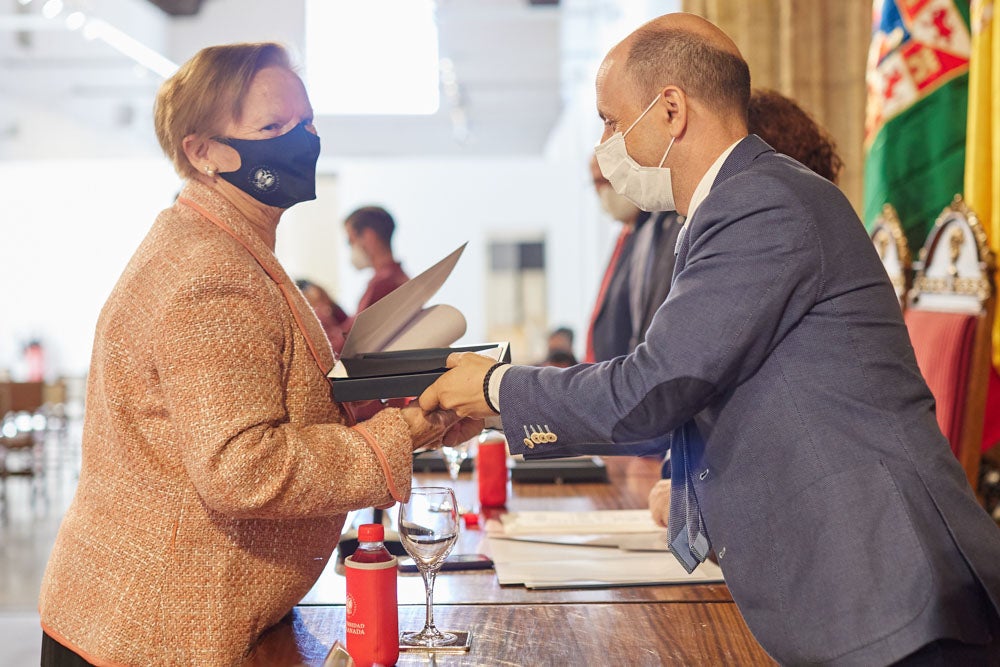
x=264, y=179
x=280, y=171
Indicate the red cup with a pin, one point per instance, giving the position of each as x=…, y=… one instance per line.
x=491, y=469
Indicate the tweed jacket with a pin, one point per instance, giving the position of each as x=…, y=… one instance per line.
x=216, y=468
x=843, y=524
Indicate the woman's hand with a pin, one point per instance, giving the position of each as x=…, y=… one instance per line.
x=432, y=429
x=463, y=430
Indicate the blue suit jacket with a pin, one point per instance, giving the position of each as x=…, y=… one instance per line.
x=843, y=524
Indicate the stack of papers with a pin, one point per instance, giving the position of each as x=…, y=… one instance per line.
x=596, y=549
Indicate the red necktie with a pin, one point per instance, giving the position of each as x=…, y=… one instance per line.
x=602, y=293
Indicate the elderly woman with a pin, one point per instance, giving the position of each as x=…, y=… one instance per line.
x=217, y=470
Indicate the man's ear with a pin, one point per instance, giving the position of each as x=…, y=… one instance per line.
x=675, y=110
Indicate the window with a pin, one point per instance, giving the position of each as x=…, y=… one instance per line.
x=372, y=56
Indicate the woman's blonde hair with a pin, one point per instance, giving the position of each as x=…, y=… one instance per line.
x=206, y=92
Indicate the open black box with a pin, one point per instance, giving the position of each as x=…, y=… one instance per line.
x=400, y=374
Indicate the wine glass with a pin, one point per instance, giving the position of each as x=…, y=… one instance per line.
x=454, y=456
x=428, y=528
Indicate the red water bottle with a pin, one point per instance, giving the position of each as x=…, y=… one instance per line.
x=372, y=615
x=491, y=469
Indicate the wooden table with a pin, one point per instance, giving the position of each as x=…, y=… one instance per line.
x=642, y=625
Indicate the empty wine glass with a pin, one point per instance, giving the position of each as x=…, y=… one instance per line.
x=428, y=528
x=455, y=455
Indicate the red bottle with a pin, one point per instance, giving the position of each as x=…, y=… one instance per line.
x=372, y=615
x=491, y=469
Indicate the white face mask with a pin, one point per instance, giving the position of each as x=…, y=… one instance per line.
x=359, y=258
x=649, y=188
x=617, y=206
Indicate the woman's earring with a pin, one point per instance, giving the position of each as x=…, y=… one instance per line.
x=209, y=171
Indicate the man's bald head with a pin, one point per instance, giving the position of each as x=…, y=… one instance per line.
x=689, y=52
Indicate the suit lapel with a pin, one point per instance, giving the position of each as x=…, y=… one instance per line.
x=745, y=152
x=749, y=149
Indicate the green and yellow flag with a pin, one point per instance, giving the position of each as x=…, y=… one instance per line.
x=982, y=162
x=915, y=119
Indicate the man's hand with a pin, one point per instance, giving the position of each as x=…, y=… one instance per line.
x=460, y=389
x=659, y=502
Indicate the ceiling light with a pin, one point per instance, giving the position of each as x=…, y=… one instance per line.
x=75, y=20
x=52, y=9
x=129, y=46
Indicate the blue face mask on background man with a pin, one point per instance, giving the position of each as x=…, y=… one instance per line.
x=280, y=171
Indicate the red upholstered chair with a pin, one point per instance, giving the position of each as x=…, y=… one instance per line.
x=949, y=316
x=890, y=241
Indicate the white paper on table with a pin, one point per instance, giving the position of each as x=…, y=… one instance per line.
x=540, y=565
x=503, y=550
x=623, y=541
x=650, y=569
x=377, y=327
x=579, y=523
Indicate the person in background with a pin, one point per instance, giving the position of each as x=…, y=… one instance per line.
x=559, y=359
x=330, y=315
x=369, y=233
x=216, y=470
x=560, y=340
x=788, y=129
x=610, y=325
x=805, y=450
x=559, y=351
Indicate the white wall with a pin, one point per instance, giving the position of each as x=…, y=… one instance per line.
x=73, y=225
x=69, y=228
x=440, y=203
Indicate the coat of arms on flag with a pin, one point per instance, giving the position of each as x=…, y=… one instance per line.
x=917, y=80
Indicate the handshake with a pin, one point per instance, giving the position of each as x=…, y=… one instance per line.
x=430, y=430
x=452, y=409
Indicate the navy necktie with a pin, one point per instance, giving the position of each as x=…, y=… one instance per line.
x=689, y=541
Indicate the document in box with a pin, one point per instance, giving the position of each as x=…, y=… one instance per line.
x=399, y=346
x=400, y=321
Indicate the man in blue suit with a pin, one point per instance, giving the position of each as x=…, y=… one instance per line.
x=803, y=440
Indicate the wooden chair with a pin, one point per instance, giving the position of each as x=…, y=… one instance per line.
x=22, y=437
x=949, y=317
x=890, y=242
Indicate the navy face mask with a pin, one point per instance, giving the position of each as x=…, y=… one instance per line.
x=280, y=171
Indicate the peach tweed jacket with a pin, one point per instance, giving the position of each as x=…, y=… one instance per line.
x=217, y=470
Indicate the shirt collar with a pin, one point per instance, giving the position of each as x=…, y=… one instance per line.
x=705, y=184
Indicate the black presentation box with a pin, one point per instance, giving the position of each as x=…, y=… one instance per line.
x=400, y=374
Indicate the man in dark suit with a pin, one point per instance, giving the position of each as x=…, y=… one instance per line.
x=651, y=270
x=804, y=445
x=610, y=327
x=637, y=277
